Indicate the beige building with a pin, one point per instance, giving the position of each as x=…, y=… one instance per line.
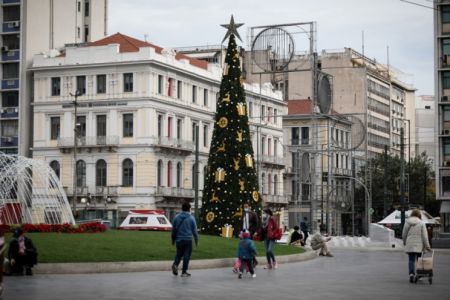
x=136, y=118
x=29, y=28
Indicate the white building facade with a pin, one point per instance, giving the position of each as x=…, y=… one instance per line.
x=136, y=119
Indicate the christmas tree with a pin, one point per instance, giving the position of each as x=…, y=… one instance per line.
x=231, y=178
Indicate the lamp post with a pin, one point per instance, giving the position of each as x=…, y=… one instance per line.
x=75, y=144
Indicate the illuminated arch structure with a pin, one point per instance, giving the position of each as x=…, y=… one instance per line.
x=30, y=192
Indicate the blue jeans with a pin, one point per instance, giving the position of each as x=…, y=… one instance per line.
x=269, y=251
x=184, y=249
x=412, y=262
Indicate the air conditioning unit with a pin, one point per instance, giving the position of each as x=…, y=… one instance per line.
x=446, y=131
x=445, y=59
x=5, y=48
x=10, y=110
x=444, y=99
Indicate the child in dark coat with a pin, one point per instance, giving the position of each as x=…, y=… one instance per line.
x=246, y=253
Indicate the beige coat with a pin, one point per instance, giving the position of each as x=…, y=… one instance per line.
x=415, y=236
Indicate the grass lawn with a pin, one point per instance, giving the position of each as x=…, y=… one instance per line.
x=117, y=245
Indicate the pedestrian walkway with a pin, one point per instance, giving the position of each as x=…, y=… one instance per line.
x=351, y=274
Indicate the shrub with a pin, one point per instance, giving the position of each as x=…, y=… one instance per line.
x=62, y=228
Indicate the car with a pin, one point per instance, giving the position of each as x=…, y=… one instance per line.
x=146, y=219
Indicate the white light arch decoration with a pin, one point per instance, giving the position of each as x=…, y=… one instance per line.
x=30, y=192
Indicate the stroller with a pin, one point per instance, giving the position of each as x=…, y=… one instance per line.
x=424, y=267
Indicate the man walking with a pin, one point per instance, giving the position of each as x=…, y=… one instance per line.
x=304, y=227
x=183, y=228
x=249, y=221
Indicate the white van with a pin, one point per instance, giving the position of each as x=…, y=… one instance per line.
x=146, y=219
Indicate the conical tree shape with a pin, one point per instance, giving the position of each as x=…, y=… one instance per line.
x=231, y=178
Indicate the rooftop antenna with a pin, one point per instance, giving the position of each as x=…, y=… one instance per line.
x=145, y=37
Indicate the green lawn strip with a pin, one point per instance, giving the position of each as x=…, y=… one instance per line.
x=116, y=245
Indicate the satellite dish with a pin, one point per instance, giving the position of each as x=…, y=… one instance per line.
x=358, y=132
x=324, y=93
x=306, y=168
x=272, y=49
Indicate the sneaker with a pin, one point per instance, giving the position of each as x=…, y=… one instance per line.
x=240, y=275
x=275, y=265
x=253, y=275
x=174, y=270
x=411, y=278
x=235, y=271
x=268, y=266
x=185, y=274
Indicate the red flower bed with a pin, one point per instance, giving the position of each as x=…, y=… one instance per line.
x=64, y=228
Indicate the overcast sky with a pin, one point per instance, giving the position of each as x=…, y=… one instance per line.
x=407, y=29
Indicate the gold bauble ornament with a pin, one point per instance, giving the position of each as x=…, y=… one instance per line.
x=210, y=217
x=223, y=122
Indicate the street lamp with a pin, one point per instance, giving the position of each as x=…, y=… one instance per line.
x=75, y=144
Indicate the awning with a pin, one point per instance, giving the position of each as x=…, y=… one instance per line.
x=445, y=207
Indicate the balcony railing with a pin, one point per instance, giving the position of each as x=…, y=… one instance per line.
x=89, y=141
x=174, y=192
x=106, y=190
x=8, y=84
x=341, y=171
x=11, y=55
x=11, y=26
x=280, y=199
x=9, y=112
x=276, y=160
x=173, y=143
x=11, y=141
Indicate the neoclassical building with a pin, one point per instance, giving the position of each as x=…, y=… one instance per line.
x=137, y=109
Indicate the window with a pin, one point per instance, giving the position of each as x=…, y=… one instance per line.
x=86, y=33
x=269, y=146
x=56, y=86
x=275, y=115
x=55, y=167
x=169, y=174
x=263, y=145
x=263, y=113
x=78, y=32
x=100, y=173
x=127, y=173
x=79, y=6
x=269, y=183
x=337, y=160
x=101, y=84
x=55, y=128
x=275, y=147
x=295, y=135
x=263, y=182
x=81, y=173
x=194, y=94
x=160, y=84
x=446, y=113
x=269, y=114
x=194, y=129
x=179, y=175
x=446, y=80
x=81, y=126
x=179, y=89
x=179, y=128
x=86, y=8
x=250, y=109
x=205, y=135
x=159, y=173
x=127, y=125
x=446, y=145
x=275, y=184
x=169, y=126
x=101, y=129
x=170, y=87
x=81, y=84
x=445, y=14
x=160, y=125
x=128, y=82
x=205, y=97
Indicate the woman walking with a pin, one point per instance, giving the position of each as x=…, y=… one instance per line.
x=270, y=226
x=415, y=239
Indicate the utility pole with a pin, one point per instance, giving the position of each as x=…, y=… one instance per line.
x=385, y=181
x=402, y=178
x=75, y=144
x=424, y=185
x=196, y=171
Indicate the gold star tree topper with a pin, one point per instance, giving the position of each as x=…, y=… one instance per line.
x=232, y=29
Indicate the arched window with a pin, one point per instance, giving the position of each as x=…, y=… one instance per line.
x=269, y=183
x=275, y=184
x=179, y=175
x=127, y=172
x=55, y=167
x=169, y=174
x=100, y=173
x=263, y=180
x=159, y=173
x=81, y=173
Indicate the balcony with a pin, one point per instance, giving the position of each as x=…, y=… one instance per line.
x=342, y=172
x=10, y=141
x=9, y=112
x=9, y=84
x=89, y=142
x=106, y=191
x=276, y=199
x=173, y=144
x=13, y=26
x=174, y=192
x=273, y=160
x=10, y=55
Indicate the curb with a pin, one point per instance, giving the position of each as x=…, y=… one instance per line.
x=149, y=266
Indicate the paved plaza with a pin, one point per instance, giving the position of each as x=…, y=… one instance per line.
x=351, y=274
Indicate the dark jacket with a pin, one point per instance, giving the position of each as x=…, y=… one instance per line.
x=252, y=222
x=184, y=227
x=246, y=249
x=30, y=251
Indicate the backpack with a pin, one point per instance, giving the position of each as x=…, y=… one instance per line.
x=278, y=233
